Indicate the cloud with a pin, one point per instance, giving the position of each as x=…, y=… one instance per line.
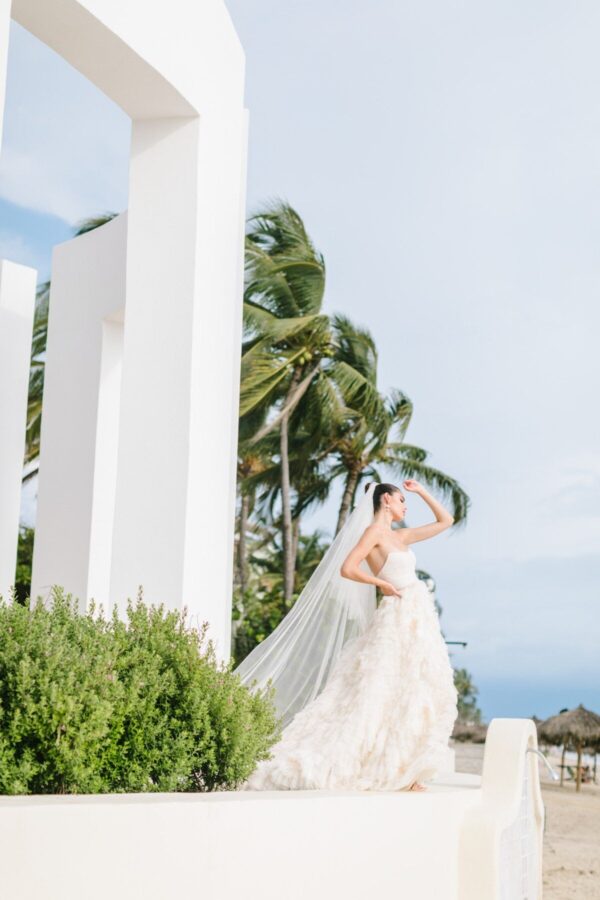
x=32, y=181
x=66, y=145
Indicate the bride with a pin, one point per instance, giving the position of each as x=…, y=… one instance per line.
x=366, y=693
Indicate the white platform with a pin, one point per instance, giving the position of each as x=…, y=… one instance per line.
x=453, y=842
x=268, y=845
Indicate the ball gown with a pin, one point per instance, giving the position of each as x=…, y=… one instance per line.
x=386, y=713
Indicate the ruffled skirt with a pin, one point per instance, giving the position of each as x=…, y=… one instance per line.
x=385, y=716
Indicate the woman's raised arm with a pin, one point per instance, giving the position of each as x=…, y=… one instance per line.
x=443, y=521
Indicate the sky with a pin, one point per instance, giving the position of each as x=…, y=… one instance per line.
x=445, y=157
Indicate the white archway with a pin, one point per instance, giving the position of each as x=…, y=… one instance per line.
x=144, y=491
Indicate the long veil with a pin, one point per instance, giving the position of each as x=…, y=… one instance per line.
x=299, y=654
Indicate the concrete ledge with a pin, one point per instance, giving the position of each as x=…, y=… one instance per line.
x=267, y=845
x=501, y=845
x=451, y=842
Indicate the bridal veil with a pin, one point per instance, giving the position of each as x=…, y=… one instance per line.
x=297, y=657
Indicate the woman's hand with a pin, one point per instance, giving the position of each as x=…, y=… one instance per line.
x=411, y=485
x=389, y=590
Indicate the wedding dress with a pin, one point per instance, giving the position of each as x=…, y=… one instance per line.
x=386, y=713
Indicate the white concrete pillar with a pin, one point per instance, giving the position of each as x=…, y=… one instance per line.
x=77, y=472
x=17, y=304
x=216, y=380
x=178, y=425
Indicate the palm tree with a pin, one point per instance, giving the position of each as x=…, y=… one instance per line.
x=293, y=361
x=309, y=479
x=253, y=459
x=288, y=335
x=248, y=464
x=36, y=381
x=468, y=710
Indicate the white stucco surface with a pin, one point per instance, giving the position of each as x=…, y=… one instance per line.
x=17, y=303
x=465, y=838
x=264, y=846
x=453, y=842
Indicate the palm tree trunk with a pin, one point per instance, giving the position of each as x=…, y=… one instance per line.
x=242, y=562
x=295, y=540
x=286, y=511
x=347, y=498
x=295, y=394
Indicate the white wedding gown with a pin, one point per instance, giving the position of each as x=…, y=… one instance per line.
x=386, y=713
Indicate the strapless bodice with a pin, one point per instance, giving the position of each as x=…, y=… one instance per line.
x=400, y=568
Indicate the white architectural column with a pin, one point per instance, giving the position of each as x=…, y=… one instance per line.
x=78, y=459
x=17, y=304
x=213, y=452
x=105, y=467
x=179, y=419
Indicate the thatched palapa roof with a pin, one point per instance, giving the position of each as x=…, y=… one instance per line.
x=577, y=727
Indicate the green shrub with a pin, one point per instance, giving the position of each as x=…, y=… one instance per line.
x=96, y=705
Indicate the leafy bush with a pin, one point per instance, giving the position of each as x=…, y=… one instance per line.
x=96, y=705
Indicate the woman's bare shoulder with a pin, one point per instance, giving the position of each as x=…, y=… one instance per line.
x=373, y=533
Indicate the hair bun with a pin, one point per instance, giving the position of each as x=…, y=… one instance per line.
x=368, y=485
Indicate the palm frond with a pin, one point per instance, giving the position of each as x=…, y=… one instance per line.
x=355, y=346
x=93, y=222
x=358, y=392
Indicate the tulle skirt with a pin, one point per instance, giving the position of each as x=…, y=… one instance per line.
x=385, y=716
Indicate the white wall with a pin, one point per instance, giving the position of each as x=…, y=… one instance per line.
x=17, y=303
x=466, y=838
x=262, y=846
x=501, y=842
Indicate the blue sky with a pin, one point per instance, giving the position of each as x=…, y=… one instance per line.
x=445, y=157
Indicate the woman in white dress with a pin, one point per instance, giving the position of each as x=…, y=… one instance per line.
x=381, y=718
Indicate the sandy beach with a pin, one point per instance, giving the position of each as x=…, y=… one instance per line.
x=572, y=832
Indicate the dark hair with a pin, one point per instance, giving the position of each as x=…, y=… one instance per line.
x=379, y=491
